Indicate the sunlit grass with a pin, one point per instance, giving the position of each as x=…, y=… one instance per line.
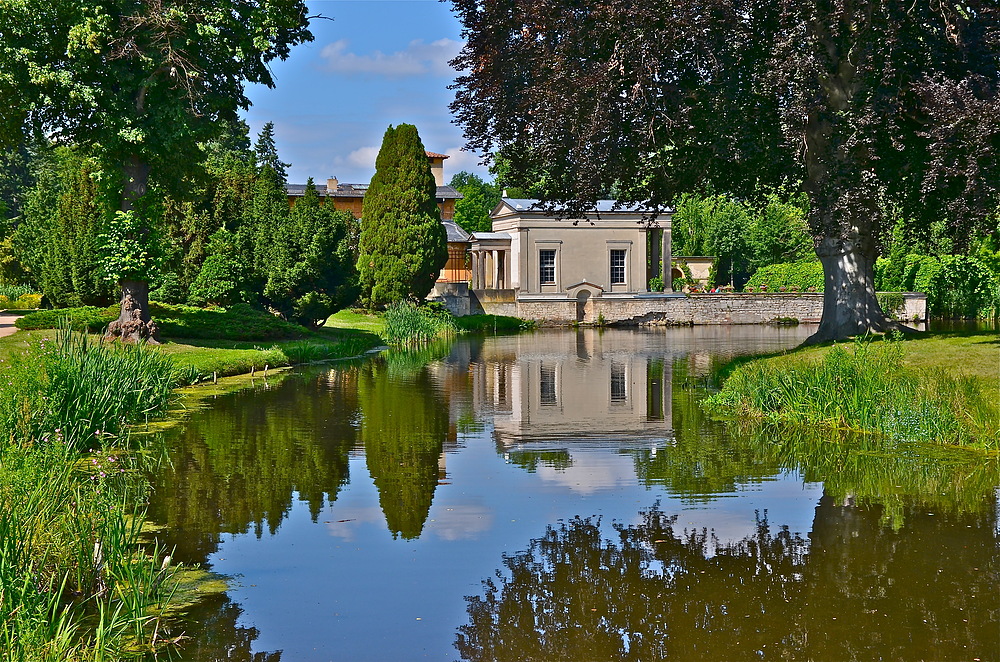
x=939, y=388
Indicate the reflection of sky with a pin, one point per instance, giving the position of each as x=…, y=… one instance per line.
x=347, y=590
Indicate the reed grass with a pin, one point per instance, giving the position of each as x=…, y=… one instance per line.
x=407, y=324
x=74, y=582
x=867, y=388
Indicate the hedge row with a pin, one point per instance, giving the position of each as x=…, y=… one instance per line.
x=237, y=323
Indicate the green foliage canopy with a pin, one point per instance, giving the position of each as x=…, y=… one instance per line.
x=402, y=246
x=472, y=212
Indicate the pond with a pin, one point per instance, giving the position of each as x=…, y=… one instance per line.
x=561, y=495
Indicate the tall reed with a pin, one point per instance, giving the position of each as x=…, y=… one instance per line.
x=83, y=390
x=74, y=582
x=406, y=323
x=869, y=389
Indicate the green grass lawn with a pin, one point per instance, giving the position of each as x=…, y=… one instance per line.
x=936, y=387
x=223, y=358
x=357, y=320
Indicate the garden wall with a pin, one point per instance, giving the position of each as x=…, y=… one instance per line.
x=676, y=308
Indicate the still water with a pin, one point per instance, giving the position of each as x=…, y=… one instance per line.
x=561, y=495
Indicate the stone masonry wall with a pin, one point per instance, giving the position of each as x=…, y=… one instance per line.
x=681, y=309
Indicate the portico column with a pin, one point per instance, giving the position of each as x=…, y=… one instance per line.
x=506, y=270
x=667, y=271
x=477, y=270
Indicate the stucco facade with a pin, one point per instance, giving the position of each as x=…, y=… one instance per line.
x=539, y=254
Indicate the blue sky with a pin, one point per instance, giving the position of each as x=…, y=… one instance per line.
x=378, y=62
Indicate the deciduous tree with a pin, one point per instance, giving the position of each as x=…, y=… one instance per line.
x=142, y=82
x=860, y=100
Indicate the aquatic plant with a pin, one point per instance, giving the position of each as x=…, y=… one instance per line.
x=406, y=323
x=867, y=389
x=74, y=582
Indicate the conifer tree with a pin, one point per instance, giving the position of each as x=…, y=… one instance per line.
x=311, y=274
x=403, y=245
x=266, y=152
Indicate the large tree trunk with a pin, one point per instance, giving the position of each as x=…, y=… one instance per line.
x=134, y=323
x=850, y=306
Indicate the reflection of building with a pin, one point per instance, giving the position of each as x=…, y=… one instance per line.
x=590, y=384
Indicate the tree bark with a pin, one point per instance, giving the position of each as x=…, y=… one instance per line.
x=850, y=306
x=134, y=323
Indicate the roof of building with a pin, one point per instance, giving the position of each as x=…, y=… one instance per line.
x=358, y=191
x=478, y=236
x=601, y=206
x=456, y=234
x=435, y=155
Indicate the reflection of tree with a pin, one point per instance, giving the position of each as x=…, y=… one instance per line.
x=925, y=592
x=217, y=636
x=659, y=594
x=656, y=594
x=403, y=427
x=239, y=462
x=529, y=460
x=710, y=457
x=703, y=459
x=866, y=470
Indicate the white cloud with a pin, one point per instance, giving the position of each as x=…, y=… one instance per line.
x=419, y=58
x=363, y=157
x=465, y=161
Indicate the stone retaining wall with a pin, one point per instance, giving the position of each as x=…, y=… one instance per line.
x=675, y=308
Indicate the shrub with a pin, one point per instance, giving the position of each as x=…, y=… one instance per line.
x=801, y=275
x=23, y=302
x=655, y=284
x=239, y=322
x=85, y=318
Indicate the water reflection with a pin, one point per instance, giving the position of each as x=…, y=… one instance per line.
x=404, y=423
x=356, y=505
x=236, y=467
x=594, y=384
x=656, y=592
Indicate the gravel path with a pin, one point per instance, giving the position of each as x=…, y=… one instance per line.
x=7, y=325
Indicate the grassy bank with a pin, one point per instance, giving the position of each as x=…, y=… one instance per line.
x=404, y=324
x=943, y=388
x=74, y=582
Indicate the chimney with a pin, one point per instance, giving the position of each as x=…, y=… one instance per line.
x=437, y=166
x=331, y=185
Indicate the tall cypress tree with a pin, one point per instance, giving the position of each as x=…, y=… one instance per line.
x=403, y=245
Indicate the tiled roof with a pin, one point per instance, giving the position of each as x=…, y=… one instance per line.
x=435, y=155
x=455, y=233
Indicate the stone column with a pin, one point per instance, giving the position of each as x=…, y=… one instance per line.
x=506, y=269
x=668, y=281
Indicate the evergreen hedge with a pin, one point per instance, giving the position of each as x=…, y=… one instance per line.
x=239, y=322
